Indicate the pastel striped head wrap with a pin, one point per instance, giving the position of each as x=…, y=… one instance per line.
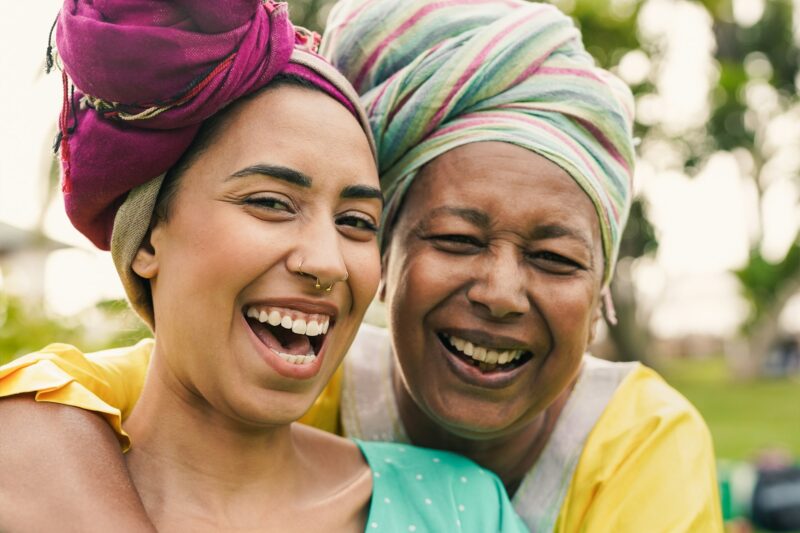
x=438, y=74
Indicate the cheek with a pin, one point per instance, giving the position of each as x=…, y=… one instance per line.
x=211, y=257
x=364, y=273
x=421, y=278
x=569, y=310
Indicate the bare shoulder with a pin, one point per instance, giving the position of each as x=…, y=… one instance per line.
x=335, y=458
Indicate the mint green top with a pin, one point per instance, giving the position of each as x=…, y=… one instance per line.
x=421, y=490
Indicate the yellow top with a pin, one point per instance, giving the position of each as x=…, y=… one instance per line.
x=647, y=465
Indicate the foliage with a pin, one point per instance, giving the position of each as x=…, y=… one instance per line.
x=764, y=282
x=25, y=328
x=767, y=408
x=130, y=329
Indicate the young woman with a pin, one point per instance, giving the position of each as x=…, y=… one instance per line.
x=252, y=253
x=506, y=160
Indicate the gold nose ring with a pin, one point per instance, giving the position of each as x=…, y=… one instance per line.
x=318, y=286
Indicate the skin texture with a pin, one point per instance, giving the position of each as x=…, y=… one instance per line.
x=212, y=432
x=499, y=246
x=88, y=462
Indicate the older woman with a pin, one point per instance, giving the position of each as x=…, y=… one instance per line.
x=250, y=248
x=506, y=161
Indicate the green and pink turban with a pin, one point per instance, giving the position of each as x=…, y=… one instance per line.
x=437, y=74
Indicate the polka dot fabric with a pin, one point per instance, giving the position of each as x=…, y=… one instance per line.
x=420, y=490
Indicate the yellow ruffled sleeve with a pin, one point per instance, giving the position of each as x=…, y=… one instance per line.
x=110, y=383
x=107, y=382
x=648, y=465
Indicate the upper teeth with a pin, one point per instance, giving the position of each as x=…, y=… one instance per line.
x=483, y=354
x=303, y=324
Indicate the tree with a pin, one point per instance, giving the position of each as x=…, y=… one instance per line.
x=758, y=95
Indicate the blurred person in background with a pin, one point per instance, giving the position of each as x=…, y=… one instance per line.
x=506, y=161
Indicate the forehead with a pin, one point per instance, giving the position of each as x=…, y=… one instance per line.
x=298, y=127
x=511, y=184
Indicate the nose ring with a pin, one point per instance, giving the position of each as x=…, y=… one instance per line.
x=318, y=286
x=317, y=283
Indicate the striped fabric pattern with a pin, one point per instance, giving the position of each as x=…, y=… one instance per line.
x=438, y=74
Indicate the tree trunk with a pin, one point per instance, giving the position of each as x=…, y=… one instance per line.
x=630, y=338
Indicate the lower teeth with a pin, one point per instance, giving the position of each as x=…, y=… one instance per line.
x=297, y=359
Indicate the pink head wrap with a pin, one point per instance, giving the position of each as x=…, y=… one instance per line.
x=147, y=73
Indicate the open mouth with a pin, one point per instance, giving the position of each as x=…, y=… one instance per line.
x=486, y=358
x=295, y=337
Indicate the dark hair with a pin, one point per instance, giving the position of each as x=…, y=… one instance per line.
x=202, y=140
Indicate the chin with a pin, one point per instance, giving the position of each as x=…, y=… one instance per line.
x=475, y=419
x=259, y=407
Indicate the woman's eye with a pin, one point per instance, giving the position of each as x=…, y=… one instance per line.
x=556, y=263
x=358, y=222
x=457, y=243
x=268, y=202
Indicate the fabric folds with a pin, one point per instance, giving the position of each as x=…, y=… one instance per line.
x=146, y=75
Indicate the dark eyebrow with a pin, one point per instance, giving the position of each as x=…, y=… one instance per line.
x=361, y=191
x=473, y=216
x=554, y=231
x=275, y=171
x=296, y=177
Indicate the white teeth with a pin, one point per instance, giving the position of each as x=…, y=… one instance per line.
x=274, y=318
x=297, y=359
x=310, y=325
x=483, y=354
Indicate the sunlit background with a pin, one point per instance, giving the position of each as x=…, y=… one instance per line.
x=708, y=288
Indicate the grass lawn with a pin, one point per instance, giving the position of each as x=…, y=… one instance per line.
x=744, y=417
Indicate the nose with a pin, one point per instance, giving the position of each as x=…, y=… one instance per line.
x=318, y=256
x=500, y=285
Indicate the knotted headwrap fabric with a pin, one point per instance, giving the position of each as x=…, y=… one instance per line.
x=438, y=74
x=147, y=73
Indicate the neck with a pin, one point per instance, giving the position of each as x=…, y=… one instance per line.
x=188, y=457
x=510, y=455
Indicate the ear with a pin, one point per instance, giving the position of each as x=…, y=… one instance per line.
x=597, y=316
x=145, y=262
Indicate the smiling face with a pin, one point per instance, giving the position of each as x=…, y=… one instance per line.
x=493, y=278
x=282, y=204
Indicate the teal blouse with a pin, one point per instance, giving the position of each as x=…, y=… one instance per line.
x=421, y=490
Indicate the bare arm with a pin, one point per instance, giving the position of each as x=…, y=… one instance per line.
x=61, y=469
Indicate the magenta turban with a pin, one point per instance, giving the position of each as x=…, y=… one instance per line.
x=147, y=73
